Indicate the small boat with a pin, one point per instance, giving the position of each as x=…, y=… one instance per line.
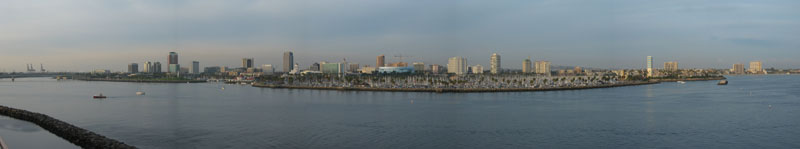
x=99, y=96
x=140, y=93
x=681, y=82
x=723, y=82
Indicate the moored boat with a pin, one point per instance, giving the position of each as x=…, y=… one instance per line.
x=99, y=96
x=723, y=82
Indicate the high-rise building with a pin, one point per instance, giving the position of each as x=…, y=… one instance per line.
x=380, y=61
x=755, y=67
x=267, y=68
x=335, y=68
x=738, y=69
x=543, y=67
x=419, y=67
x=133, y=68
x=495, y=65
x=457, y=65
x=526, y=65
x=172, y=63
x=148, y=67
x=649, y=66
x=314, y=67
x=247, y=63
x=477, y=69
x=671, y=66
x=157, y=67
x=353, y=67
x=288, y=61
x=436, y=68
x=195, y=67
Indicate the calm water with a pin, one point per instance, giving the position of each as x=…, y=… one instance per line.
x=691, y=115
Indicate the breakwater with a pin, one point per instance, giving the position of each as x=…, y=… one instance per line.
x=456, y=90
x=143, y=81
x=689, y=79
x=76, y=135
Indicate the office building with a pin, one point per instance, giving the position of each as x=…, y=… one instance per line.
x=212, y=70
x=477, y=69
x=268, y=69
x=133, y=68
x=148, y=67
x=315, y=67
x=649, y=66
x=457, y=65
x=334, y=68
x=526, y=65
x=398, y=64
x=543, y=67
x=353, y=67
x=195, y=67
x=435, y=68
x=247, y=63
x=174, y=68
x=755, y=67
x=671, y=66
x=288, y=61
x=578, y=70
x=380, y=61
x=418, y=67
x=156, y=67
x=172, y=63
x=738, y=69
x=495, y=65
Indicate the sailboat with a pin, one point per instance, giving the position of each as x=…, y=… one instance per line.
x=140, y=92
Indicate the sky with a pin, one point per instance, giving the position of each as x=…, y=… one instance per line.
x=83, y=35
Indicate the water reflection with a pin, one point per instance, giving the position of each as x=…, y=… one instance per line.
x=11, y=124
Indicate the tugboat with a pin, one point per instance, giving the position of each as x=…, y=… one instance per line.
x=99, y=96
x=723, y=82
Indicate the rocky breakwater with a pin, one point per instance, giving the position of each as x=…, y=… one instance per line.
x=76, y=135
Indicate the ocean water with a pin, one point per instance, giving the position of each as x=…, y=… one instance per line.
x=750, y=112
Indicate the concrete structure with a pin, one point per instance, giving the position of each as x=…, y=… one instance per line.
x=247, y=62
x=419, y=67
x=133, y=68
x=526, y=65
x=755, y=67
x=738, y=69
x=335, y=68
x=156, y=67
x=671, y=66
x=649, y=66
x=195, y=67
x=172, y=60
x=495, y=65
x=288, y=61
x=543, y=67
x=395, y=69
x=381, y=60
x=268, y=69
x=457, y=65
x=477, y=69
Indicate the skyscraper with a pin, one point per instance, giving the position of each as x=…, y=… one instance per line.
x=288, y=61
x=148, y=67
x=755, y=67
x=172, y=63
x=247, y=63
x=738, y=69
x=649, y=66
x=671, y=66
x=195, y=67
x=457, y=65
x=495, y=64
x=380, y=61
x=156, y=67
x=543, y=67
x=526, y=65
x=133, y=68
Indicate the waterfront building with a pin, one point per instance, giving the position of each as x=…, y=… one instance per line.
x=380, y=61
x=578, y=70
x=133, y=68
x=649, y=66
x=671, y=66
x=195, y=67
x=419, y=67
x=395, y=69
x=477, y=69
x=755, y=67
x=495, y=65
x=314, y=67
x=148, y=66
x=101, y=71
x=526, y=65
x=184, y=70
x=436, y=69
x=268, y=69
x=368, y=70
x=353, y=67
x=172, y=60
x=543, y=67
x=398, y=64
x=457, y=65
x=247, y=62
x=211, y=70
x=156, y=67
x=334, y=68
x=738, y=69
x=288, y=61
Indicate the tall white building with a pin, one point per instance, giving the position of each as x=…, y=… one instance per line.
x=495, y=64
x=649, y=66
x=477, y=69
x=457, y=65
x=148, y=67
x=755, y=67
x=543, y=67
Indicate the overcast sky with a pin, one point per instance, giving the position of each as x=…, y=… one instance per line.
x=82, y=35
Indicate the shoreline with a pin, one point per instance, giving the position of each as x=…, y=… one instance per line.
x=146, y=81
x=75, y=135
x=479, y=90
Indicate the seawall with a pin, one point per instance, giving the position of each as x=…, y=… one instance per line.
x=146, y=81
x=76, y=135
x=454, y=90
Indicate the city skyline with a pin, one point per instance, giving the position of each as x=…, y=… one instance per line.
x=611, y=34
